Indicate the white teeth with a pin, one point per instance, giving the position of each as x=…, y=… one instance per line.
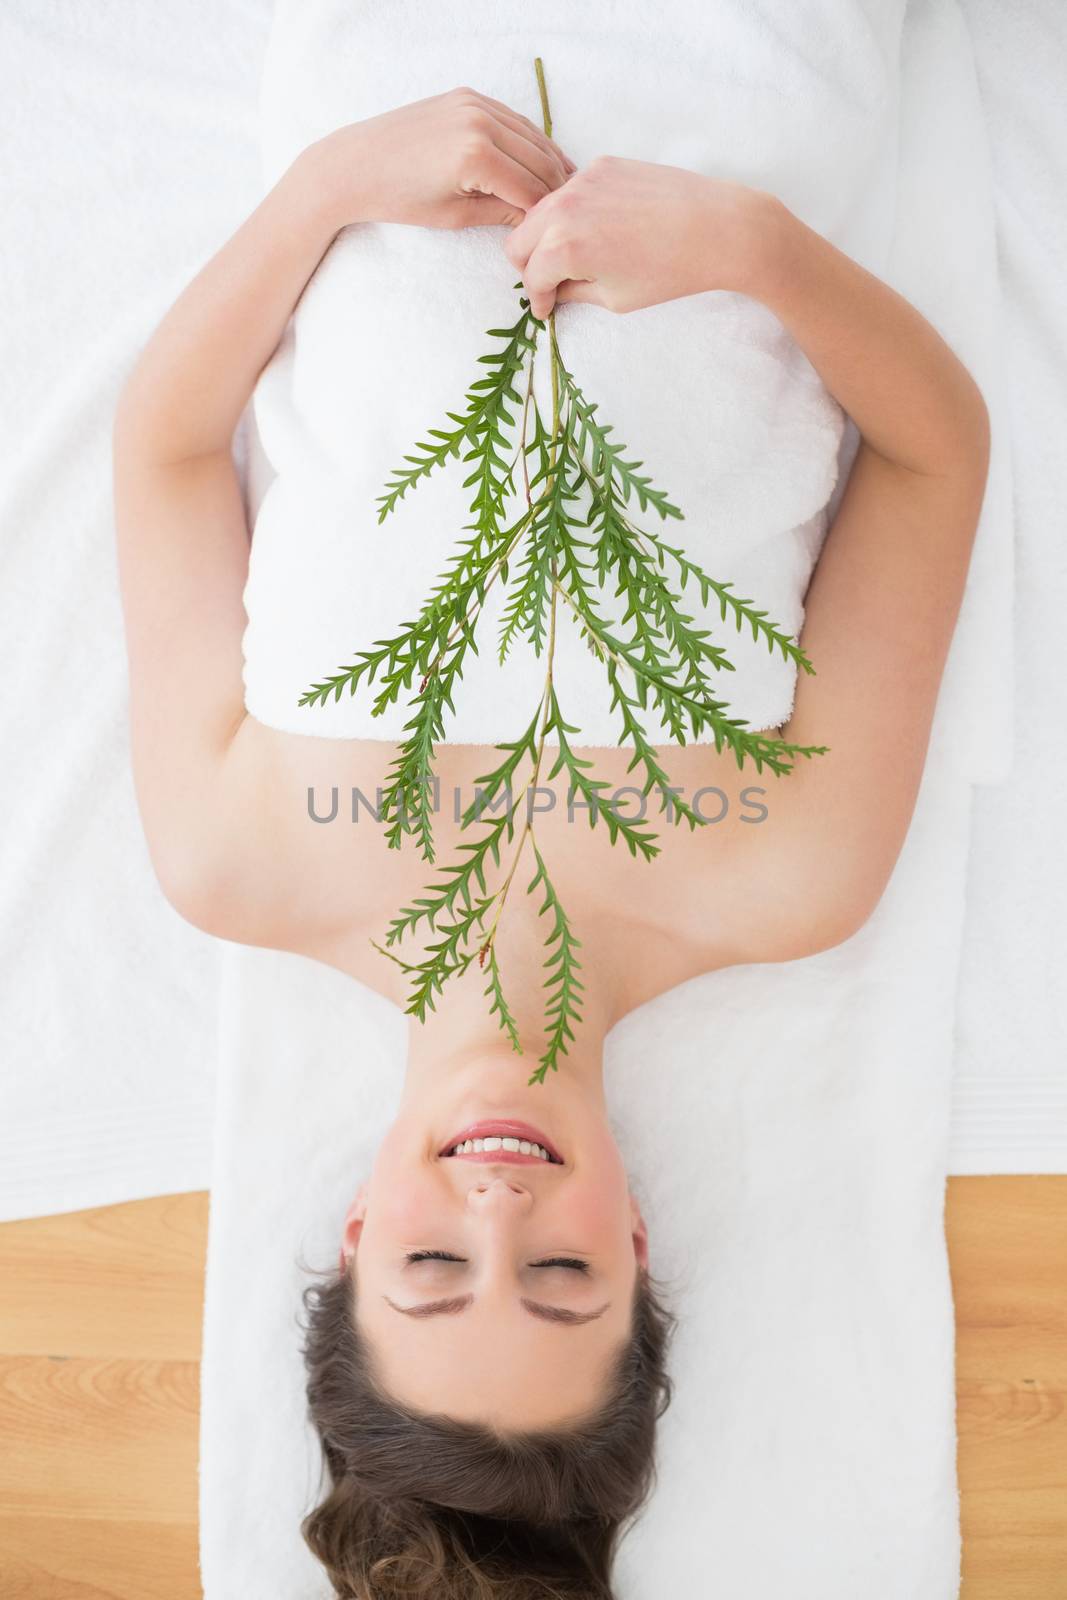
x=520, y=1146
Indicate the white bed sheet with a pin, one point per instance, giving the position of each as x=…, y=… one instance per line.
x=1010, y=1070
x=128, y=153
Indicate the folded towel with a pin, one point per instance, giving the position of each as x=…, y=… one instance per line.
x=794, y=1193
x=710, y=392
x=386, y=337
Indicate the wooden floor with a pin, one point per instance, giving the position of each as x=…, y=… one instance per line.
x=99, y=1350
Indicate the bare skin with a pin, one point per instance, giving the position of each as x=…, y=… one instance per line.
x=224, y=799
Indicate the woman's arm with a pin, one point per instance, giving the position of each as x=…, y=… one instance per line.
x=627, y=234
x=883, y=601
x=453, y=160
x=181, y=529
x=912, y=400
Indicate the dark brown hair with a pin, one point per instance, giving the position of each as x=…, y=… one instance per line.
x=422, y=1505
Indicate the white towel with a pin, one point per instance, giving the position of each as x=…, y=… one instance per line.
x=725, y=411
x=709, y=391
x=803, y=1237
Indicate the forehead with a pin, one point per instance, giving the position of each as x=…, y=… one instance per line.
x=496, y=1365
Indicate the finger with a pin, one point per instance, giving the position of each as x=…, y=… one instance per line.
x=544, y=163
x=498, y=174
x=528, y=131
x=483, y=210
x=546, y=268
x=531, y=129
x=523, y=240
x=586, y=289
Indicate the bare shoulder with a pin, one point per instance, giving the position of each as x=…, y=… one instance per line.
x=742, y=888
x=275, y=860
x=778, y=888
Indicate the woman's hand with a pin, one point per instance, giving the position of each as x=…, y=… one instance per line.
x=626, y=234
x=454, y=160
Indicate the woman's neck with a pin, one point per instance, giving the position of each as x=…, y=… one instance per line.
x=461, y=1035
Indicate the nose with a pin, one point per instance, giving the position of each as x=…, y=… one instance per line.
x=499, y=1196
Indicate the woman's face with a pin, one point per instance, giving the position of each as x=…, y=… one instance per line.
x=518, y=1327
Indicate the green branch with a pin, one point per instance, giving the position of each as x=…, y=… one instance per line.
x=574, y=541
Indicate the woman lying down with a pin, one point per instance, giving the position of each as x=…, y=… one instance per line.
x=487, y=1365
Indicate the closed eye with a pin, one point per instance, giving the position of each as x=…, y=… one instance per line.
x=570, y=1262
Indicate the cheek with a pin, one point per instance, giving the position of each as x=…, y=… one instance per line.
x=401, y=1190
x=599, y=1211
x=600, y=1197
x=402, y=1204
x=402, y=1214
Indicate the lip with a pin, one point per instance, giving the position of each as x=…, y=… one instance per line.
x=504, y=1128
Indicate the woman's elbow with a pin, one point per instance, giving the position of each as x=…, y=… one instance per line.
x=186, y=892
x=194, y=887
x=967, y=452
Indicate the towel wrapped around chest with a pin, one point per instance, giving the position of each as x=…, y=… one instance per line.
x=709, y=392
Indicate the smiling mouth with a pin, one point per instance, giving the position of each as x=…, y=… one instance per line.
x=502, y=1140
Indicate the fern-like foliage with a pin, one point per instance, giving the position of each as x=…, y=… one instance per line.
x=563, y=987
x=573, y=543
x=478, y=425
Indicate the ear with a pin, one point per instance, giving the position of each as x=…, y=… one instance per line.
x=353, y=1225
x=640, y=1234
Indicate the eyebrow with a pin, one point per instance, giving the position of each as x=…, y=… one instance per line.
x=450, y=1308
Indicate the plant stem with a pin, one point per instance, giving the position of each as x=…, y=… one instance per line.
x=546, y=711
x=525, y=422
x=531, y=782
x=546, y=700
x=546, y=115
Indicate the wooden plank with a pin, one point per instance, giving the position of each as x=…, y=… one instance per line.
x=1008, y=1251
x=109, y=1440
x=116, y=1281
x=99, y=1351
x=100, y=1503
x=51, y=1559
